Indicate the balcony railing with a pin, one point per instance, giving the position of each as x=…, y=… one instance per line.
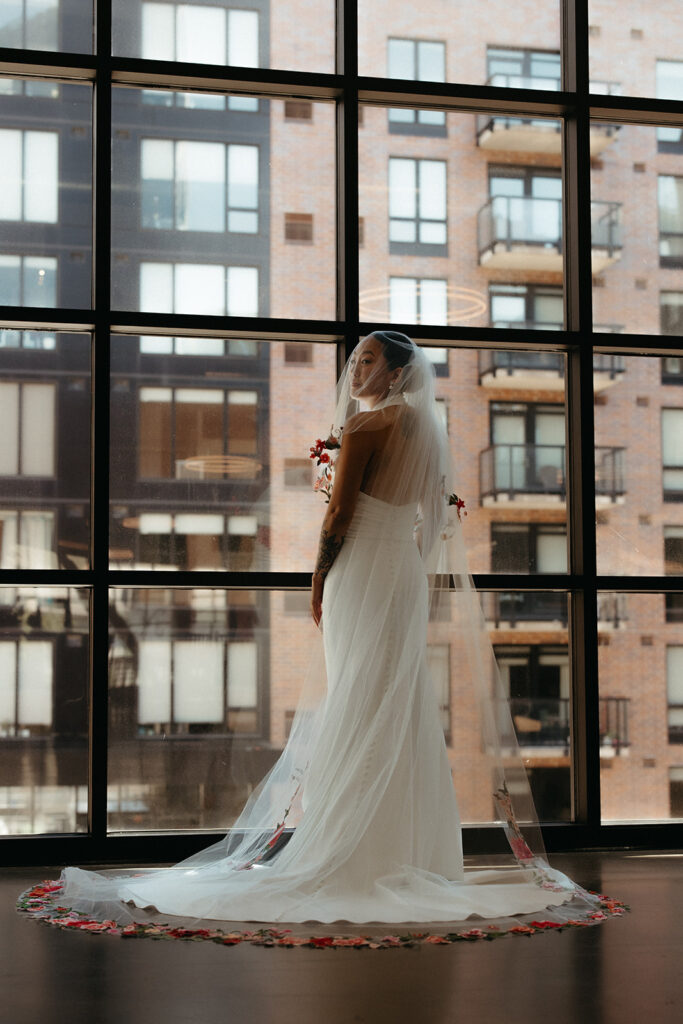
x=535, y=135
x=512, y=608
x=511, y=470
x=545, y=722
x=609, y=473
x=612, y=611
x=614, y=737
x=525, y=232
x=499, y=366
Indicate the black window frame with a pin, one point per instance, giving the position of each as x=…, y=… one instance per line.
x=574, y=107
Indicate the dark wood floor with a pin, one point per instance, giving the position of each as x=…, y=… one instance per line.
x=626, y=971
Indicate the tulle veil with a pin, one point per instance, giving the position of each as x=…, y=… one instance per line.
x=254, y=870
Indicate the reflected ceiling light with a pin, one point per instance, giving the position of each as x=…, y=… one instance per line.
x=464, y=304
x=221, y=465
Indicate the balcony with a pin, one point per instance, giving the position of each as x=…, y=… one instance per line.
x=525, y=233
x=523, y=475
x=535, y=135
x=540, y=609
x=542, y=370
x=545, y=722
x=533, y=475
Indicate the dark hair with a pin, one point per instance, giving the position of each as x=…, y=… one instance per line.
x=397, y=348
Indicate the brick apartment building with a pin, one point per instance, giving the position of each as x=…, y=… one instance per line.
x=226, y=205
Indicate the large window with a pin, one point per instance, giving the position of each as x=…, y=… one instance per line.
x=171, y=349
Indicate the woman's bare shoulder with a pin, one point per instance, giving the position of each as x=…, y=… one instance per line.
x=373, y=420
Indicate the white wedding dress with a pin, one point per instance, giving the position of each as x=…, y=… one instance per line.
x=379, y=835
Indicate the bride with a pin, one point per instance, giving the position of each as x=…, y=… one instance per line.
x=364, y=776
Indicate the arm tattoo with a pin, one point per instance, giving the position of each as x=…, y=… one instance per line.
x=330, y=546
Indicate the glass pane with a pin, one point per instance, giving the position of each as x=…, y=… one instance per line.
x=529, y=635
x=403, y=40
x=637, y=217
x=45, y=413
x=641, y=706
x=44, y=685
x=640, y=53
x=269, y=36
x=474, y=241
x=201, y=445
x=639, y=464
x=193, y=189
x=45, y=194
x=47, y=25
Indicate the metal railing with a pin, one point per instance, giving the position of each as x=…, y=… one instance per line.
x=513, y=469
x=526, y=220
x=522, y=469
x=511, y=361
x=609, y=472
x=520, y=220
x=545, y=722
x=518, y=606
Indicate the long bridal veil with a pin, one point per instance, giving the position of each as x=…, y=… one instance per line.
x=363, y=790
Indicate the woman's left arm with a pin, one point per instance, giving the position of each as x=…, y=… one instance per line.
x=356, y=451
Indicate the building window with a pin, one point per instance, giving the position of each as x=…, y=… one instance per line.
x=298, y=473
x=528, y=547
x=674, y=691
x=676, y=791
x=299, y=227
x=419, y=60
x=194, y=540
x=418, y=300
x=199, y=186
x=672, y=454
x=532, y=307
x=417, y=203
x=199, y=288
x=536, y=679
x=28, y=281
x=152, y=344
x=671, y=313
x=673, y=550
x=523, y=69
x=197, y=686
x=45, y=340
x=30, y=24
x=670, y=202
x=200, y=34
x=669, y=87
x=190, y=433
x=672, y=370
x=29, y=175
x=27, y=539
x=27, y=428
x=26, y=698
x=299, y=352
x=298, y=110
x=439, y=661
